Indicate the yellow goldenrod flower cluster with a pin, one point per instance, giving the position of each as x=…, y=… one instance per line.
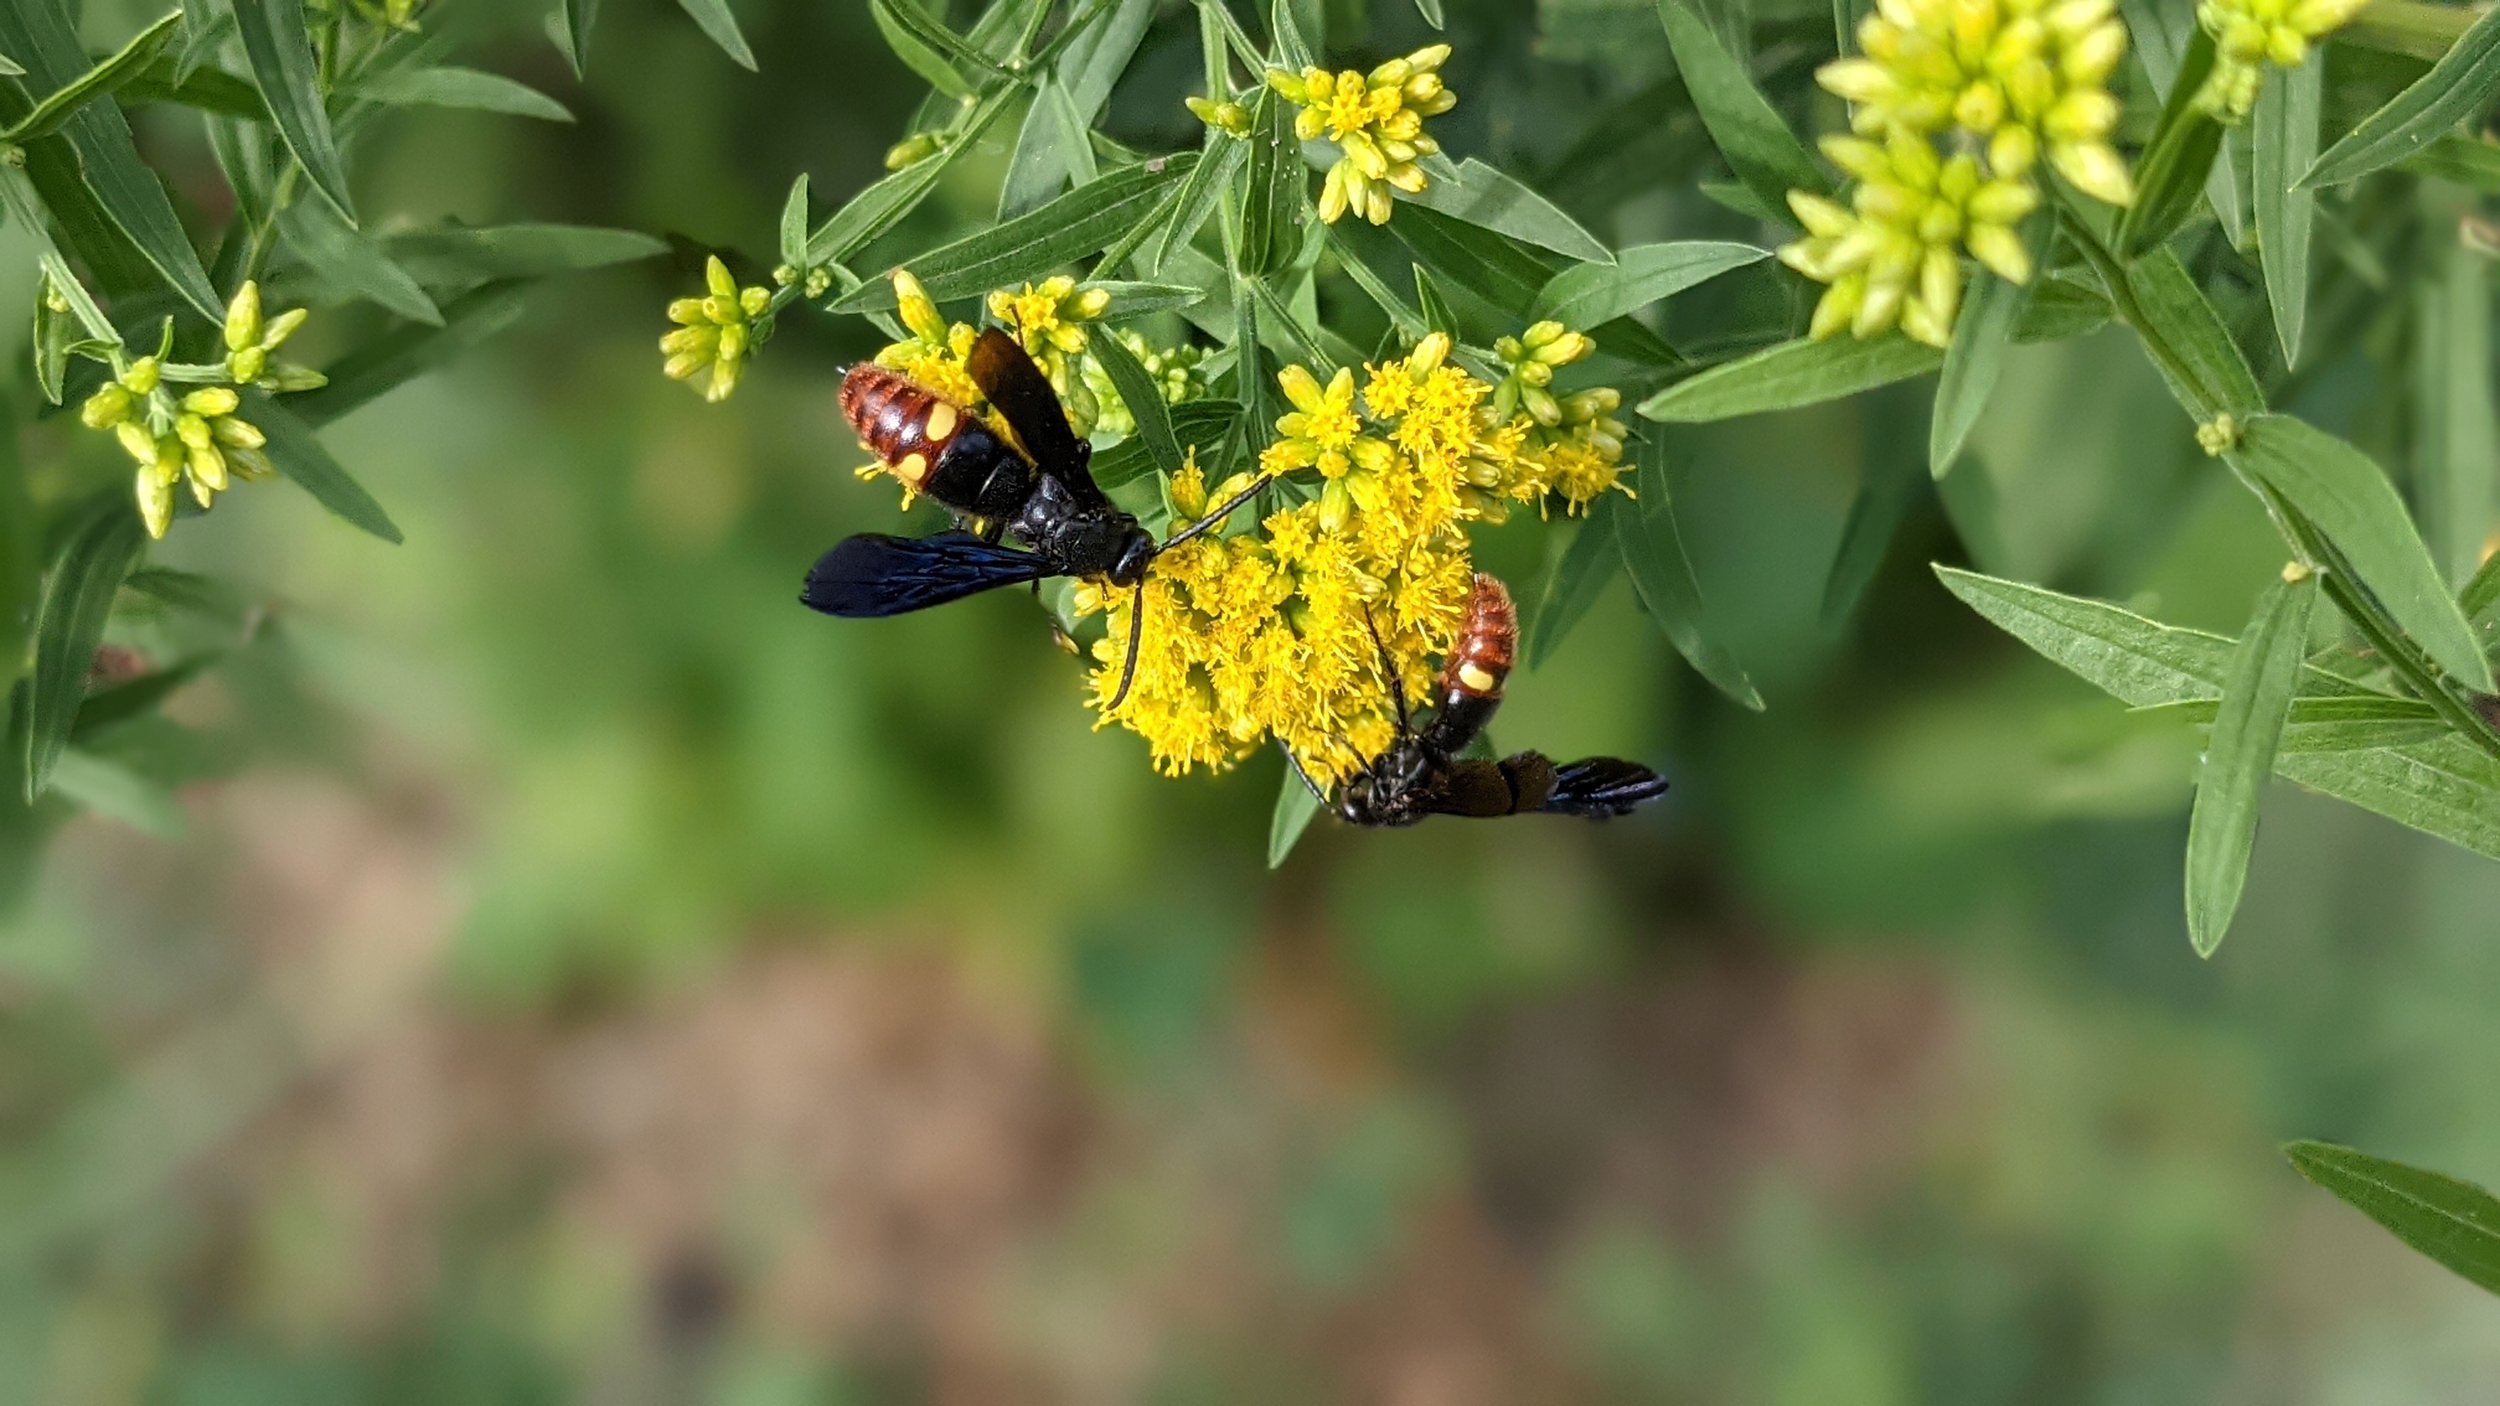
x=1894, y=256
x=1050, y=319
x=195, y=437
x=1376, y=120
x=1271, y=633
x=1174, y=370
x=2249, y=34
x=716, y=333
x=1955, y=103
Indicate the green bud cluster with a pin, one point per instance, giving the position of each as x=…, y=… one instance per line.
x=716, y=333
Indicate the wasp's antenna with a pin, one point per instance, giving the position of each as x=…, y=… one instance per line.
x=1389, y=670
x=1223, y=511
x=1136, y=633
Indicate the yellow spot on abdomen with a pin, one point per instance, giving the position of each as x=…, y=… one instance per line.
x=941, y=423
x=1476, y=679
x=913, y=469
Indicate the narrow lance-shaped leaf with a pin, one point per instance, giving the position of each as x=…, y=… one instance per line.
x=1275, y=196
x=53, y=112
x=352, y=264
x=2461, y=84
x=383, y=364
x=794, y=224
x=1198, y=197
x=1295, y=807
x=280, y=51
x=578, y=17
x=906, y=29
x=2453, y=1222
x=96, y=554
x=2177, y=157
x=465, y=88
x=113, y=209
x=1475, y=193
x=1758, y=145
x=298, y=454
x=1981, y=336
x=1579, y=577
x=1078, y=223
x=721, y=27
x=1802, y=372
x=21, y=558
x=2339, y=489
x=1143, y=398
x=2456, y=439
x=2239, y=756
x=1653, y=554
x=2185, y=319
x=884, y=204
x=2286, y=136
x=1891, y=481
x=1587, y=294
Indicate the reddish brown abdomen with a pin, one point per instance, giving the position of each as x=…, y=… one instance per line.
x=896, y=418
x=1487, y=644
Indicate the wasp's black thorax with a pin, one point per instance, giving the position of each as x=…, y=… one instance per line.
x=1081, y=538
x=979, y=475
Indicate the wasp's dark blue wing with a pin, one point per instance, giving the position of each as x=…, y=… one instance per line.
x=1023, y=394
x=873, y=574
x=1602, y=787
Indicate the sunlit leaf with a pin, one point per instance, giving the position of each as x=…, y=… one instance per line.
x=1653, y=554
x=2239, y=756
x=577, y=18
x=97, y=551
x=2285, y=128
x=2339, y=489
x=469, y=88
x=280, y=51
x=1750, y=133
x=2456, y=441
x=1295, y=808
x=793, y=246
x=1078, y=223
x=298, y=454
x=125, y=64
x=1587, y=294
x=352, y=264
x=2461, y=84
x=1144, y=400
x=721, y=27
x=462, y=256
x=2455, y=1223
x=2182, y=316
x=2177, y=157
x=1474, y=193
x=1981, y=335
x=1802, y=372
x=1276, y=190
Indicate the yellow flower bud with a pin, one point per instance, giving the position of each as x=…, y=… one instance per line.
x=237, y=434
x=754, y=301
x=192, y=431
x=142, y=376
x=156, y=502
x=109, y=406
x=243, y=317
x=716, y=276
x=208, y=468
x=136, y=441
x=282, y=327
x=212, y=401
x=247, y=365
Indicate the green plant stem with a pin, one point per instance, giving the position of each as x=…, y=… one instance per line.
x=2309, y=547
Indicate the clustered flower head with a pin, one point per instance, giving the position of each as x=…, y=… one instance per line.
x=1375, y=119
x=1893, y=257
x=1279, y=632
x=1955, y=103
x=1175, y=371
x=2249, y=34
x=1050, y=319
x=195, y=437
x=716, y=333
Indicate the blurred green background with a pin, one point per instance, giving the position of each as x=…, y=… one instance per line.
x=609, y=981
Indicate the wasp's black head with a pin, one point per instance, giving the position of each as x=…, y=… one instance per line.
x=1136, y=553
x=1391, y=790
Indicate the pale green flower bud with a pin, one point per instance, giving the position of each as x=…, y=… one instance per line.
x=156, y=501
x=243, y=317
x=716, y=276
x=108, y=407
x=282, y=327
x=142, y=376
x=212, y=401
x=136, y=441
x=246, y=366
x=237, y=434
x=288, y=378
x=192, y=431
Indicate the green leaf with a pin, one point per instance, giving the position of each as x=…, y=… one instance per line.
x=462, y=256
x=2459, y=86
x=1131, y=300
x=721, y=27
x=1481, y=195
x=904, y=25
x=2180, y=314
x=298, y=454
x=1295, y=806
x=2061, y=307
x=578, y=18
x=1431, y=11
x=382, y=364
x=1435, y=309
x=1092, y=65
x=1802, y=372
x=469, y=88
x=1891, y=479
x=1579, y=577
x=794, y=224
x=2340, y=724
x=2177, y=158
x=1758, y=145
x=1144, y=401
x=2139, y=661
x=2239, y=756
x=101, y=546
x=21, y=558
x=2453, y=1222
x=2286, y=135
x=1199, y=195
x=2471, y=162
x=1587, y=294
x=1981, y=337
x=2456, y=441
x=1276, y=193
x=2336, y=487
x=1204, y=425
x=115, y=790
x=2480, y=600
x=2446, y=788
x=280, y=52
x=1653, y=554
x=210, y=90
x=1053, y=152
x=113, y=209
x=352, y=264
x=1076, y=224
x=53, y=113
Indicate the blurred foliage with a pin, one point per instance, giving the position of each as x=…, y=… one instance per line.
x=581, y=972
